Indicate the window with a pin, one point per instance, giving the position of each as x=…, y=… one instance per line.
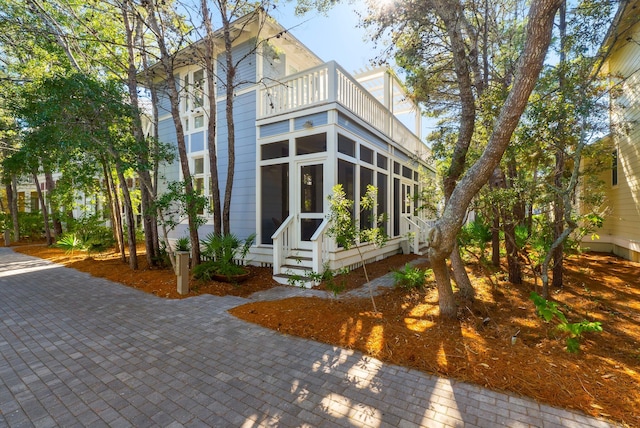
x=366, y=155
x=198, y=180
x=274, y=194
x=407, y=173
x=198, y=121
x=198, y=88
x=186, y=96
x=275, y=150
x=366, y=215
x=311, y=144
x=198, y=166
x=346, y=146
x=382, y=199
x=614, y=168
x=382, y=161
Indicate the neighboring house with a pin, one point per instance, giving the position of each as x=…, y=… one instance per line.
x=620, y=233
x=302, y=126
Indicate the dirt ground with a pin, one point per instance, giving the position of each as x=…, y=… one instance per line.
x=602, y=380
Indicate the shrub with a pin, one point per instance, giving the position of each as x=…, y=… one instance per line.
x=410, y=277
x=183, y=244
x=548, y=310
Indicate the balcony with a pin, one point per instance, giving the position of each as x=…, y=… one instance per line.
x=330, y=83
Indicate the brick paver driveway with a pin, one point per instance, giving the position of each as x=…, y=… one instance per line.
x=82, y=351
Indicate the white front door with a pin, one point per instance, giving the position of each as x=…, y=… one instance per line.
x=310, y=201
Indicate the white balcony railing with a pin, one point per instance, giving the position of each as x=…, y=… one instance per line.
x=330, y=83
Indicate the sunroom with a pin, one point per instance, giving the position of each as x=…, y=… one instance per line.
x=322, y=127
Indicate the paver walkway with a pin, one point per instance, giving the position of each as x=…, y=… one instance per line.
x=82, y=351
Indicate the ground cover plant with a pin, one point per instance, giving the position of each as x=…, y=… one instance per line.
x=499, y=341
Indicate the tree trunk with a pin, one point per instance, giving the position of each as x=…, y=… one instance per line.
x=45, y=211
x=510, y=219
x=495, y=237
x=216, y=206
x=130, y=218
x=14, y=207
x=231, y=133
x=460, y=275
x=446, y=301
x=142, y=152
x=116, y=218
x=55, y=208
x=166, y=60
x=538, y=37
x=558, y=201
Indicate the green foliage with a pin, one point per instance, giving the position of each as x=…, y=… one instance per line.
x=342, y=226
x=31, y=225
x=182, y=244
x=205, y=271
x=549, y=311
x=475, y=234
x=226, y=248
x=227, y=252
x=91, y=232
x=70, y=242
x=410, y=277
x=327, y=276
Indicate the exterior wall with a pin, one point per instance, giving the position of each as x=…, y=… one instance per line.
x=243, y=197
x=621, y=231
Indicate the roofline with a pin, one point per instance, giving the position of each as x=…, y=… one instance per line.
x=625, y=10
x=260, y=14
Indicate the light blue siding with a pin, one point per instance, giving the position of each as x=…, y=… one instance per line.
x=244, y=57
x=197, y=141
x=362, y=132
x=167, y=134
x=276, y=128
x=315, y=120
x=164, y=103
x=243, y=199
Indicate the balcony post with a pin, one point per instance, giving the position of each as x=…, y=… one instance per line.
x=332, y=81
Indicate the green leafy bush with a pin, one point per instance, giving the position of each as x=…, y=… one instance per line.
x=410, y=277
x=31, y=225
x=183, y=244
x=227, y=253
x=548, y=310
x=206, y=271
x=70, y=242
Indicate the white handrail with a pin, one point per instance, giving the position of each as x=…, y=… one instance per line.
x=424, y=227
x=320, y=247
x=282, y=240
x=328, y=83
x=407, y=227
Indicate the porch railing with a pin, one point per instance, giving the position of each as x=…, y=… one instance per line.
x=321, y=246
x=329, y=83
x=411, y=230
x=424, y=226
x=283, y=240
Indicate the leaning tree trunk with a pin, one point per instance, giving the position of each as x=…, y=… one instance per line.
x=443, y=234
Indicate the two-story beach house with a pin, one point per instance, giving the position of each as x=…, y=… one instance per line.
x=620, y=233
x=302, y=125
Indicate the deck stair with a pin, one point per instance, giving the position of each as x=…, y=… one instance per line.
x=296, y=268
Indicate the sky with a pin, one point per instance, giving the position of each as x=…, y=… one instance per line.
x=333, y=37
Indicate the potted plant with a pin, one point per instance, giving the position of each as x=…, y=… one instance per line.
x=227, y=254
